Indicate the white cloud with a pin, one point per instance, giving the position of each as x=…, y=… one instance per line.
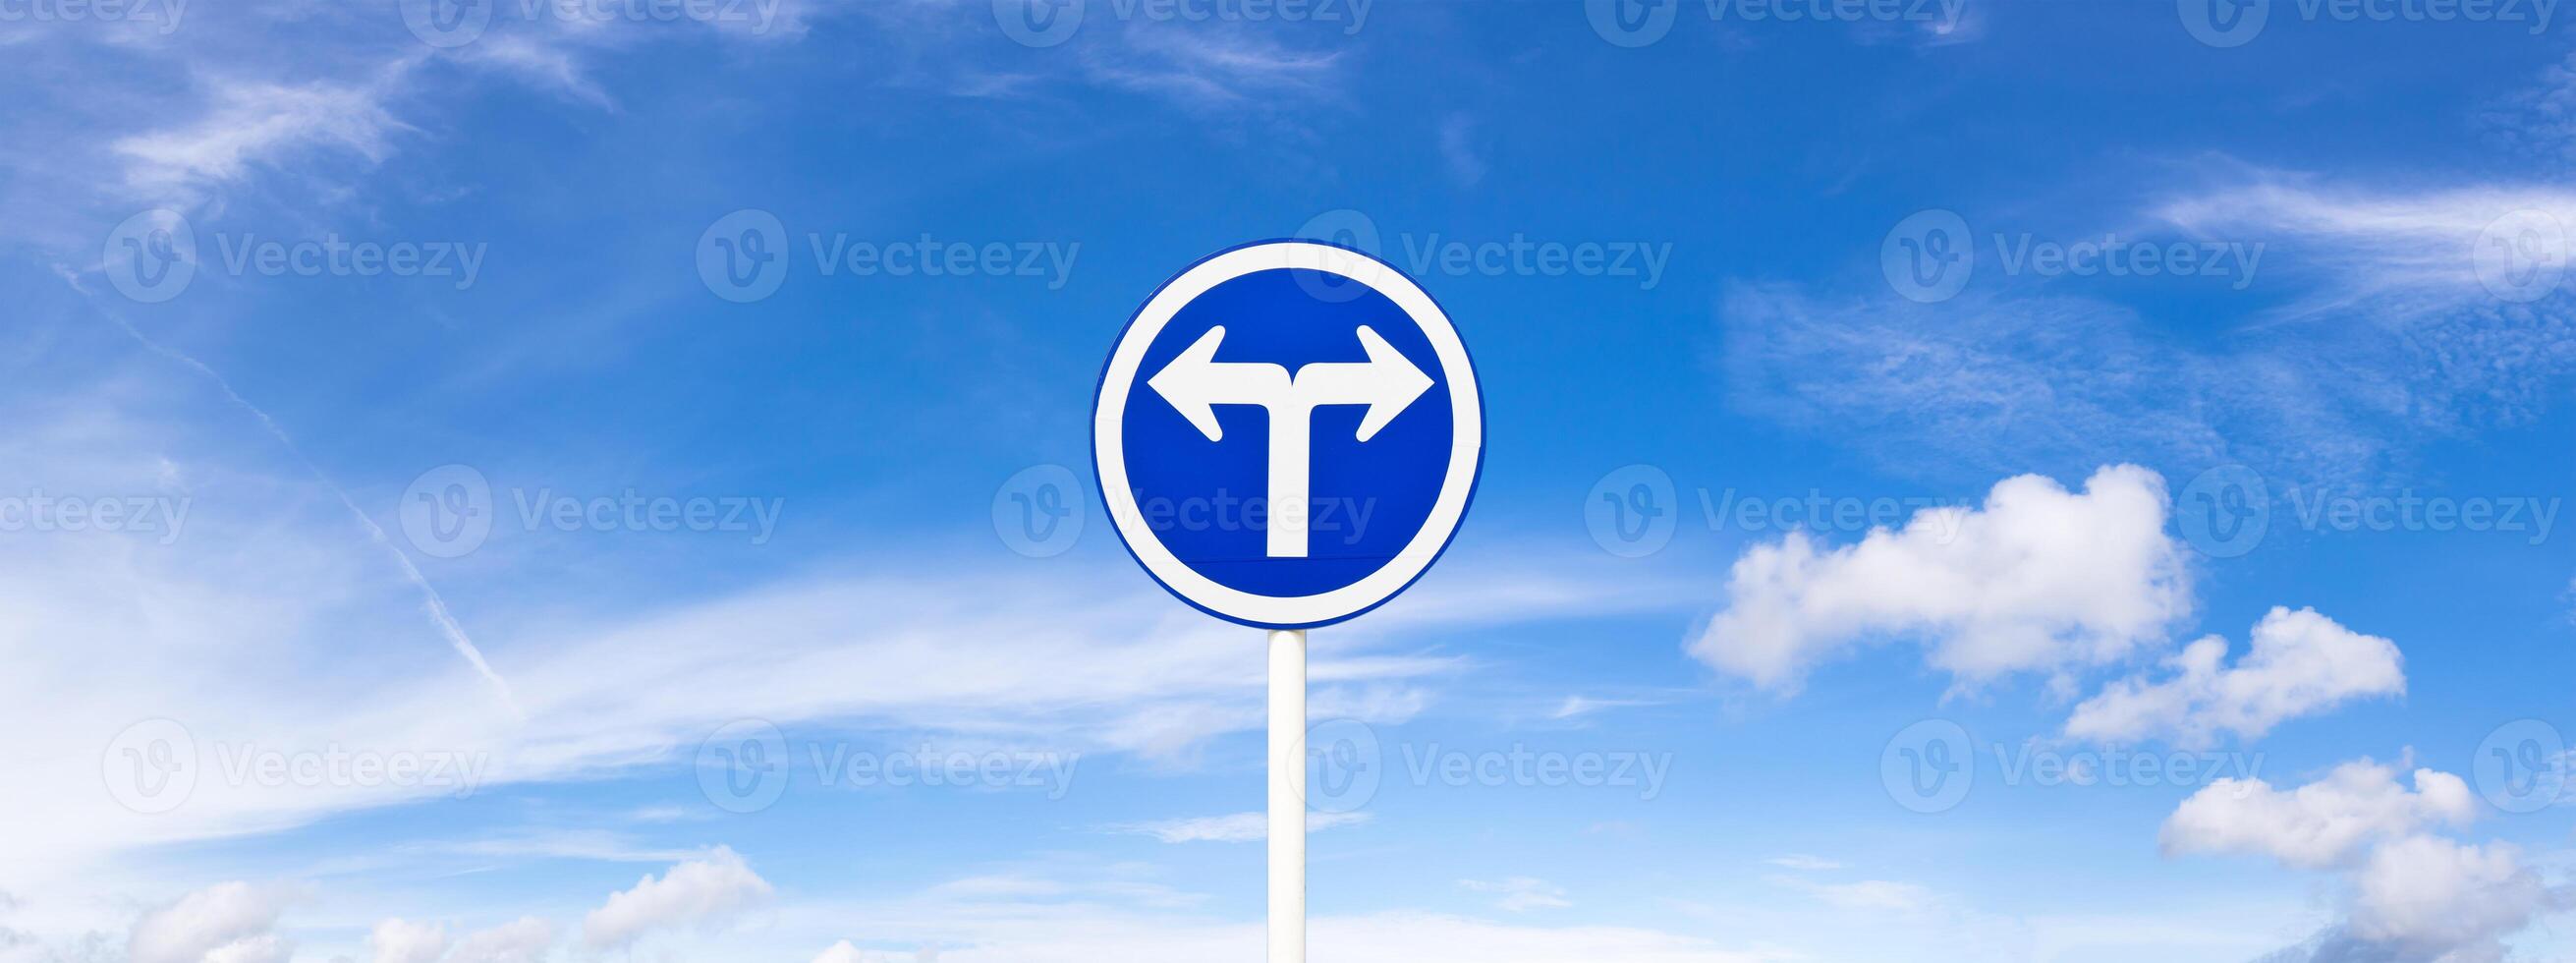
x=1391, y=937
x=1235, y=828
x=2386, y=334
x=1209, y=68
x=2411, y=895
x=2419, y=246
x=1576, y=706
x=2039, y=579
x=1992, y=384
x=264, y=948
x=846, y=952
x=2300, y=663
x=1520, y=894
x=527, y=939
x=402, y=941
x=1804, y=863
x=2446, y=900
x=226, y=923
x=2322, y=824
x=1867, y=896
x=696, y=893
x=254, y=122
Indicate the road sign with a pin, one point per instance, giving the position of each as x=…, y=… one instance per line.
x=1288, y=433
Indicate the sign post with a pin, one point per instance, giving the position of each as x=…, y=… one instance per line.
x=1306, y=477
x=1287, y=795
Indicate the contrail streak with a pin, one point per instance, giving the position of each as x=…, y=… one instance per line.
x=430, y=601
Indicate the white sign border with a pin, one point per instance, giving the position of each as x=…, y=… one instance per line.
x=1457, y=485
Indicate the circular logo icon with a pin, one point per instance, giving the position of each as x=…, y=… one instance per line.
x=1929, y=766
x=1343, y=228
x=1631, y=511
x=1283, y=460
x=2521, y=256
x=151, y=256
x=2224, y=511
x=447, y=24
x=742, y=257
x=1928, y=256
x=2522, y=766
x=447, y=511
x=1038, y=23
x=2224, y=23
x=1038, y=511
x=742, y=766
x=151, y=766
x=1631, y=23
x=1344, y=765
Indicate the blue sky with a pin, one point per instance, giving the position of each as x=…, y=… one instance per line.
x=2018, y=385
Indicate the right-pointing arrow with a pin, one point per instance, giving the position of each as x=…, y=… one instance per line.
x=1387, y=383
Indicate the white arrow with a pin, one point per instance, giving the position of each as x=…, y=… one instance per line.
x=1195, y=383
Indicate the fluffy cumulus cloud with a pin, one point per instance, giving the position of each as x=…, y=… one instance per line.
x=227, y=923
x=403, y=941
x=841, y=952
x=2411, y=895
x=525, y=940
x=237, y=922
x=699, y=892
x=2445, y=900
x=2322, y=824
x=2300, y=663
x=2038, y=579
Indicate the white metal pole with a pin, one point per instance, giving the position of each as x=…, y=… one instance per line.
x=1288, y=796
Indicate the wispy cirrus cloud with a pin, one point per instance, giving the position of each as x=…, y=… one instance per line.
x=1210, y=68
x=249, y=123
x=271, y=573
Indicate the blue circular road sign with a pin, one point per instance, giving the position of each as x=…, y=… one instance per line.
x=1288, y=434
